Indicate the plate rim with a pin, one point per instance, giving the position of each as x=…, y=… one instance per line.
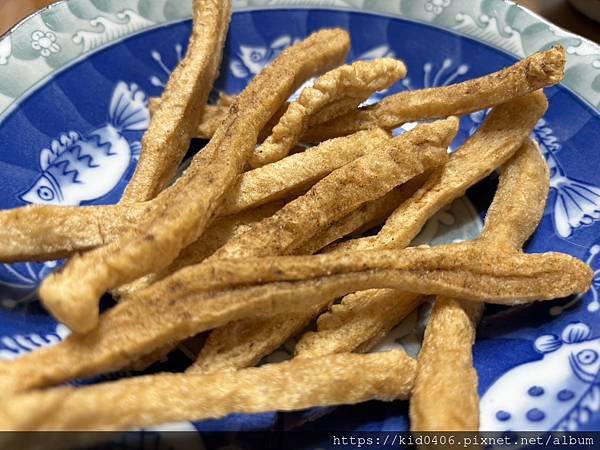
x=583, y=67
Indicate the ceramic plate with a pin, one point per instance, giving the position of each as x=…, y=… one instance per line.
x=77, y=70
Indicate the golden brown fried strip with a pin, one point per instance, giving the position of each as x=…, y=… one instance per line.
x=540, y=70
x=299, y=171
x=213, y=115
x=382, y=168
x=445, y=375
x=243, y=343
x=180, y=306
x=173, y=123
x=181, y=213
x=342, y=191
x=42, y=232
x=218, y=234
x=494, y=143
x=497, y=140
x=359, y=323
x=210, y=119
x=335, y=93
x=367, y=216
x=152, y=400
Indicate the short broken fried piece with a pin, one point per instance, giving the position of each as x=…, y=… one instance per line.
x=360, y=322
x=156, y=399
x=333, y=94
x=539, y=70
x=182, y=212
x=446, y=375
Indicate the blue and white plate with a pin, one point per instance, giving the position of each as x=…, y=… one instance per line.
x=80, y=72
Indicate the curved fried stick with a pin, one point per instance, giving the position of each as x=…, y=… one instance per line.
x=186, y=303
x=221, y=231
x=156, y=399
x=446, y=376
x=174, y=122
x=181, y=213
x=43, y=232
x=333, y=94
x=364, y=179
x=244, y=343
x=377, y=312
x=539, y=70
x=361, y=317
x=496, y=141
x=299, y=171
x=363, y=218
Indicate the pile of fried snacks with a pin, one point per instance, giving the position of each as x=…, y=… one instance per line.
x=264, y=234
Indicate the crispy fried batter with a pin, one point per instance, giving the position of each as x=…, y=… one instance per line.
x=335, y=93
x=299, y=171
x=540, y=70
x=493, y=144
x=218, y=234
x=152, y=400
x=243, y=343
x=446, y=376
x=180, y=306
x=181, y=213
x=389, y=163
x=497, y=140
x=174, y=121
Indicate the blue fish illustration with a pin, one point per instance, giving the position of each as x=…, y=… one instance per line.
x=80, y=168
x=558, y=392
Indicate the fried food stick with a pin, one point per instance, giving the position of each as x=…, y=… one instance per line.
x=302, y=172
x=244, y=343
x=497, y=140
x=335, y=196
x=175, y=120
x=365, y=317
x=363, y=218
x=156, y=399
x=181, y=213
x=337, y=92
x=213, y=115
x=193, y=300
x=221, y=231
x=42, y=232
x=539, y=70
x=445, y=376
x=365, y=179
x=361, y=318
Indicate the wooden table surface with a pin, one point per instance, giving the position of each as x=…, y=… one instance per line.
x=558, y=11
